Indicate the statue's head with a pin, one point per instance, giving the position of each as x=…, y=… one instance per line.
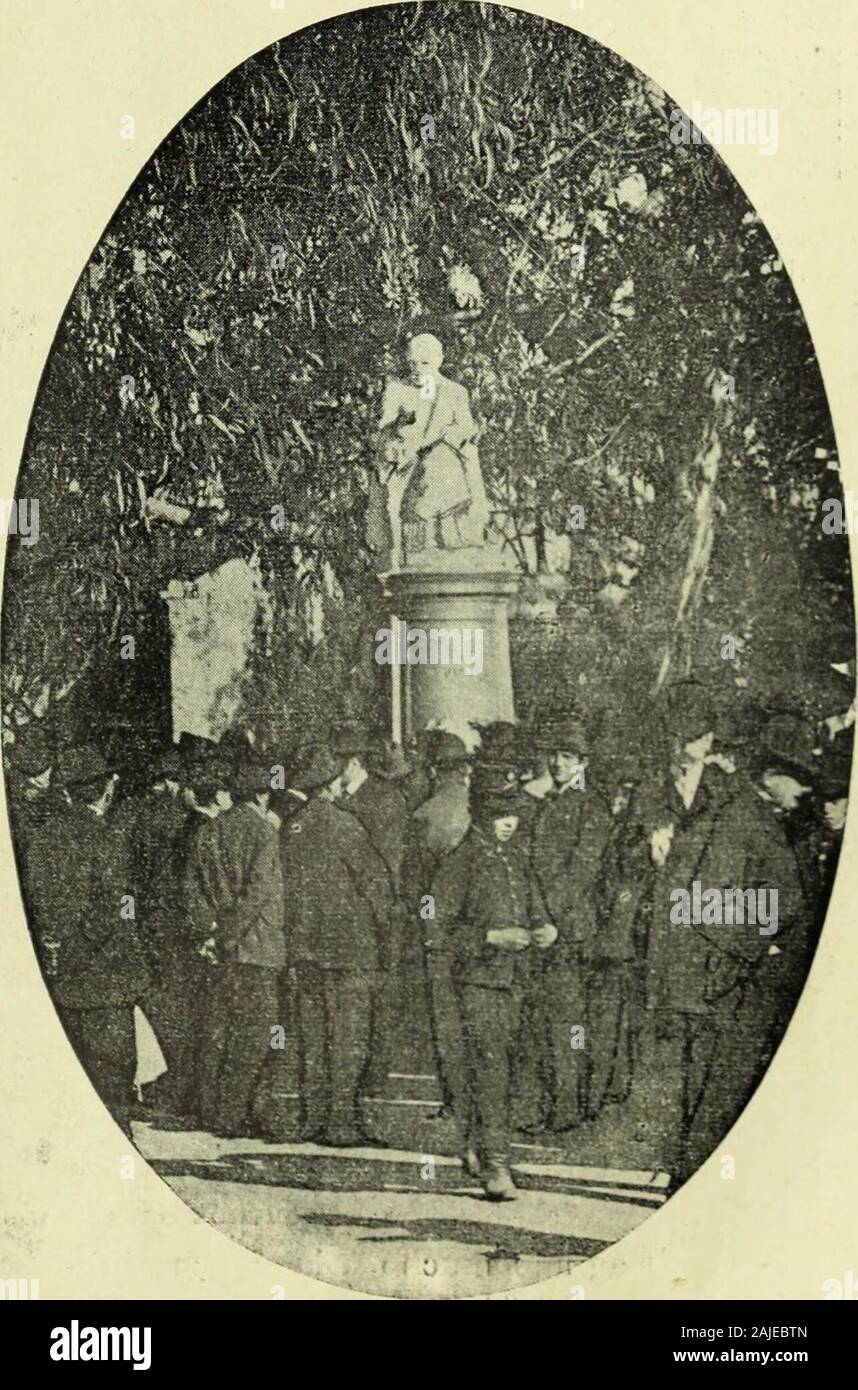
x=424, y=356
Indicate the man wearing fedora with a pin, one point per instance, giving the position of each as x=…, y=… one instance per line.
x=234, y=901
x=570, y=837
x=340, y=899
x=491, y=915
x=86, y=927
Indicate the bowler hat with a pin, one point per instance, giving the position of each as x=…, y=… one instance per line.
x=319, y=767
x=489, y=799
x=690, y=710
x=85, y=763
x=251, y=777
x=32, y=752
x=194, y=748
x=835, y=767
x=790, y=739
x=563, y=730
x=447, y=750
x=168, y=764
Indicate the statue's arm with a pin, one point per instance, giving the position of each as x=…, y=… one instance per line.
x=462, y=427
x=391, y=407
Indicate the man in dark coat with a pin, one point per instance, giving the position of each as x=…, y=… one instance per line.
x=340, y=899
x=79, y=880
x=29, y=767
x=570, y=837
x=374, y=797
x=435, y=828
x=490, y=913
x=768, y=971
x=718, y=833
x=160, y=825
x=234, y=900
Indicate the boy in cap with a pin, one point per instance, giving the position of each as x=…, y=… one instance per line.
x=234, y=900
x=490, y=913
x=80, y=894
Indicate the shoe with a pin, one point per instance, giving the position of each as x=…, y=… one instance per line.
x=471, y=1163
x=498, y=1185
x=562, y=1124
x=533, y=1128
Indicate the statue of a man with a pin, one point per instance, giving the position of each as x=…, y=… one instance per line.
x=428, y=462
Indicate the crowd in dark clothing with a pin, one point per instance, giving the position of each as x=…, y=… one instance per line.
x=519, y=885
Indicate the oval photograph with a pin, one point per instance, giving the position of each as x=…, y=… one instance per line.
x=427, y=651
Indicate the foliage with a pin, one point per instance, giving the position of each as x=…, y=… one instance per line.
x=508, y=184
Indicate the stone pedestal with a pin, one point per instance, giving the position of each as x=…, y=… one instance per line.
x=450, y=604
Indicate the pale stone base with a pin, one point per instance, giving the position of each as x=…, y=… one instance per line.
x=425, y=694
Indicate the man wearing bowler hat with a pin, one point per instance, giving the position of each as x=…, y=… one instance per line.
x=340, y=899
x=84, y=916
x=234, y=901
x=434, y=829
x=29, y=766
x=375, y=798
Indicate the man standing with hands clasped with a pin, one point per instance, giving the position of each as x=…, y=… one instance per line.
x=491, y=915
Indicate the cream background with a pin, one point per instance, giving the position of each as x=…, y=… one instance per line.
x=69, y=71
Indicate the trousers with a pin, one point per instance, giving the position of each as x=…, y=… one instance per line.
x=448, y=1032
x=105, y=1045
x=174, y=1004
x=334, y=1023
x=491, y=1020
x=241, y=1007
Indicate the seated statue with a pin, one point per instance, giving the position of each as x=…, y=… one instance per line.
x=427, y=495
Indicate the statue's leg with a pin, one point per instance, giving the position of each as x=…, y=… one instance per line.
x=397, y=483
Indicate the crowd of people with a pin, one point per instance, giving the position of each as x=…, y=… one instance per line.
x=516, y=885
